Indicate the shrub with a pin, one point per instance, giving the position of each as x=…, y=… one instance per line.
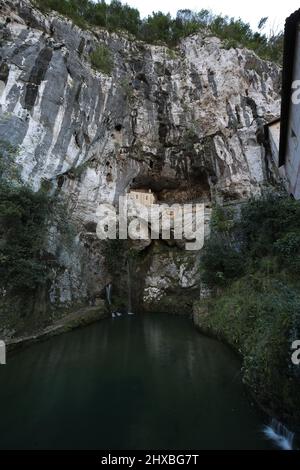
x=287, y=250
x=222, y=259
x=101, y=59
x=265, y=220
x=222, y=220
x=23, y=216
x=266, y=238
x=221, y=263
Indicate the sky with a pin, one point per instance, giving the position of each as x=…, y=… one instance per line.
x=250, y=11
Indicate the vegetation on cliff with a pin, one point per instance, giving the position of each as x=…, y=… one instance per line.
x=23, y=216
x=160, y=27
x=101, y=59
x=252, y=265
x=23, y=224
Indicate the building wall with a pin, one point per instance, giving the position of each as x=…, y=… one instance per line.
x=274, y=137
x=143, y=197
x=272, y=154
x=292, y=163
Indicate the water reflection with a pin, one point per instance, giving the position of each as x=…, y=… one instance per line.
x=137, y=382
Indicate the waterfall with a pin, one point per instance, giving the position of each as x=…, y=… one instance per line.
x=108, y=298
x=129, y=307
x=280, y=435
x=108, y=293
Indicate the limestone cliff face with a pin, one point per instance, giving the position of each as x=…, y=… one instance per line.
x=186, y=123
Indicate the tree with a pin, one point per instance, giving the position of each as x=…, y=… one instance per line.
x=262, y=22
x=158, y=27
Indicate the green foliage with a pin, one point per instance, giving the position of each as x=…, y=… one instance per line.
x=230, y=43
x=8, y=167
x=157, y=27
x=221, y=263
x=260, y=318
x=127, y=88
x=114, y=252
x=287, y=249
x=171, y=54
x=254, y=262
x=22, y=225
x=117, y=254
x=23, y=216
x=222, y=259
x=266, y=237
x=262, y=22
x=120, y=17
x=160, y=27
x=78, y=10
x=266, y=220
x=101, y=59
x=222, y=220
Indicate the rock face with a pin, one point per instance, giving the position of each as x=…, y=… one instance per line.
x=185, y=123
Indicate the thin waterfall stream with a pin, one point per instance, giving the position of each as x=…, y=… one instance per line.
x=280, y=435
x=108, y=294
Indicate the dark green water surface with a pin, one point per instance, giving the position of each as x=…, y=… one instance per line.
x=140, y=382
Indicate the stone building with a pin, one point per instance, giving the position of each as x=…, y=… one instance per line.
x=143, y=196
x=283, y=135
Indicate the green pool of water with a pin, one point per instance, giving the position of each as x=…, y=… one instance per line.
x=139, y=382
